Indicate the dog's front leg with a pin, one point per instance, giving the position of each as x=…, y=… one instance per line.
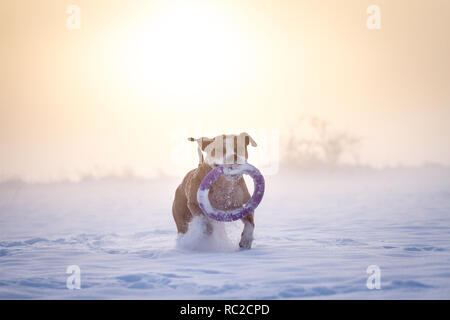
x=247, y=233
x=196, y=211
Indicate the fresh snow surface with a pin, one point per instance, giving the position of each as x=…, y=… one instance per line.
x=315, y=237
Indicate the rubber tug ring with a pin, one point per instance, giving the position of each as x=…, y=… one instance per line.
x=238, y=213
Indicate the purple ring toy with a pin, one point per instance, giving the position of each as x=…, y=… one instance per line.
x=239, y=213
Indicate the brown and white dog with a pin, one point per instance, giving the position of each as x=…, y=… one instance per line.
x=225, y=194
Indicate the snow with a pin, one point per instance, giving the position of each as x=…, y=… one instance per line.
x=315, y=237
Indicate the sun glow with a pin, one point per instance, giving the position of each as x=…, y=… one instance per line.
x=186, y=56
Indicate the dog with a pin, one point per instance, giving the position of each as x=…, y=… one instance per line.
x=225, y=194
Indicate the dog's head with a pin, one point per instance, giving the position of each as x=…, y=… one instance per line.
x=225, y=149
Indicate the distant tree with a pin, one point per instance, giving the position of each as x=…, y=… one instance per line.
x=313, y=142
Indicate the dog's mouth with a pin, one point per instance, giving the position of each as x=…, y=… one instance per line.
x=221, y=164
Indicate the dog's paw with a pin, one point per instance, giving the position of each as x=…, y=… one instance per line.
x=245, y=243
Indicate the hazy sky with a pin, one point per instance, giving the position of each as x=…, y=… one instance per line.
x=139, y=77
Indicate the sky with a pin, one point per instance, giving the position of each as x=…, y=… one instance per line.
x=124, y=91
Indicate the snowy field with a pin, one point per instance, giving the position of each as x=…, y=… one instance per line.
x=315, y=236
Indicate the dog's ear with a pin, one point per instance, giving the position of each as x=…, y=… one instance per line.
x=203, y=142
x=248, y=139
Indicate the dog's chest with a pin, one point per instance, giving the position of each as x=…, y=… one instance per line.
x=227, y=194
